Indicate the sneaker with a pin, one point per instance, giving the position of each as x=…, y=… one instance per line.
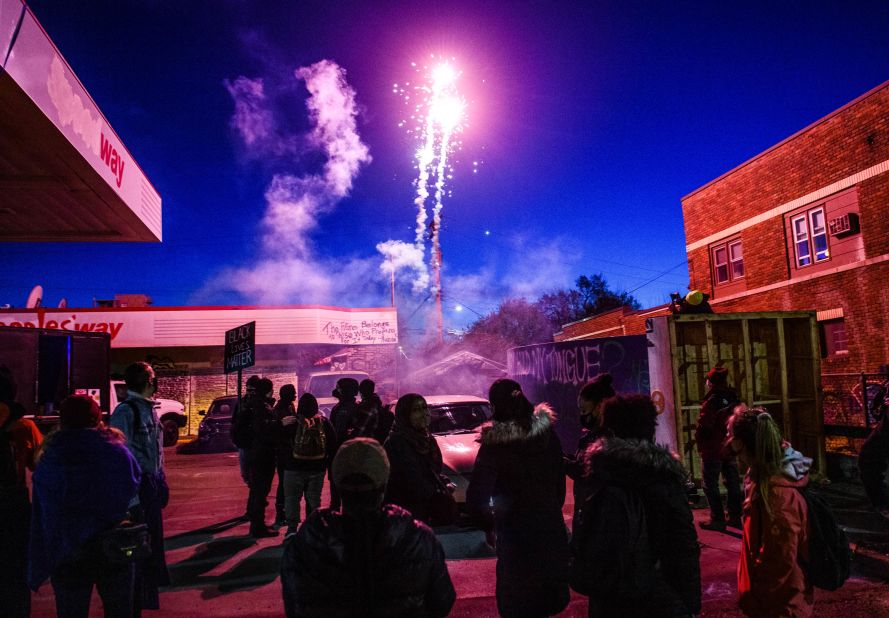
x=735, y=522
x=715, y=525
x=262, y=532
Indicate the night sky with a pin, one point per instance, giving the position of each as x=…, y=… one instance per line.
x=586, y=122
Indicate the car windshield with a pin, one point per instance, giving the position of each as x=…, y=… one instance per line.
x=456, y=417
x=222, y=408
x=322, y=386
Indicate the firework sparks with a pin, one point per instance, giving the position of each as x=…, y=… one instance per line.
x=438, y=117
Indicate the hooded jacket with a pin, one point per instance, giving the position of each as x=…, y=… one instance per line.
x=712, y=427
x=523, y=473
x=659, y=479
x=82, y=486
x=771, y=581
x=385, y=565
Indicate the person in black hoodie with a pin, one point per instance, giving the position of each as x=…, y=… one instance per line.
x=372, y=402
x=342, y=415
x=285, y=412
x=366, y=559
x=519, y=470
x=310, y=442
x=590, y=399
x=629, y=457
x=263, y=448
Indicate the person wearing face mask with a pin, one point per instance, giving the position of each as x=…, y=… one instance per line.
x=589, y=401
x=414, y=457
x=136, y=418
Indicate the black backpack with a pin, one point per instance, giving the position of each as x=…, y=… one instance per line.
x=829, y=555
x=310, y=441
x=611, y=556
x=9, y=477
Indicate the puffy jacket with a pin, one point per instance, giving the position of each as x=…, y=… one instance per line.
x=659, y=479
x=771, y=581
x=711, y=430
x=523, y=472
x=387, y=565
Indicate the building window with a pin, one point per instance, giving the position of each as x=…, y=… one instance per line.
x=728, y=261
x=834, y=334
x=810, y=237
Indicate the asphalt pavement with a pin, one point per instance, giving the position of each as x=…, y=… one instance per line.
x=219, y=570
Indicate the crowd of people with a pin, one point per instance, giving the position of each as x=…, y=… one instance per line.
x=94, y=517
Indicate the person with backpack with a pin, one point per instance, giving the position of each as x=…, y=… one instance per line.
x=311, y=442
x=634, y=545
x=776, y=535
x=710, y=433
x=19, y=441
x=372, y=406
x=519, y=470
x=84, y=483
x=137, y=420
x=342, y=416
x=368, y=558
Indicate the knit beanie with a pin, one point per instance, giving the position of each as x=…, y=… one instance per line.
x=79, y=412
x=360, y=457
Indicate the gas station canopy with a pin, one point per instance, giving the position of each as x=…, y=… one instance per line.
x=65, y=175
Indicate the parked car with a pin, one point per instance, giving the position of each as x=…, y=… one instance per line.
x=214, y=432
x=170, y=412
x=322, y=383
x=456, y=423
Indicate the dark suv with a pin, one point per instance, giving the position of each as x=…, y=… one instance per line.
x=214, y=432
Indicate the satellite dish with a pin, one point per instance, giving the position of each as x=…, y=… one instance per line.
x=35, y=298
x=63, y=303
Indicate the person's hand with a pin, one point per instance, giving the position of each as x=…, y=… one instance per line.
x=288, y=420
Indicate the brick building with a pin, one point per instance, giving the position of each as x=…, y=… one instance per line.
x=801, y=226
x=805, y=226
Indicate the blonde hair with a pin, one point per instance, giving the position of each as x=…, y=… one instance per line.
x=761, y=437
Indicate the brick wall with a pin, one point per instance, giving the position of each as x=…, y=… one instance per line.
x=842, y=144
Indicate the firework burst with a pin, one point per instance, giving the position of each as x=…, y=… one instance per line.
x=437, y=119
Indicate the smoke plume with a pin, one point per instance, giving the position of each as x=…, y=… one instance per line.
x=288, y=268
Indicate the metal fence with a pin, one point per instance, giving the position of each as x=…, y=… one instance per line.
x=854, y=399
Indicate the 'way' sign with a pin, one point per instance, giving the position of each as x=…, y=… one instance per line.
x=240, y=347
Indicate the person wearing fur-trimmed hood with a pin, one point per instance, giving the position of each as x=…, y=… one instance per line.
x=519, y=471
x=628, y=456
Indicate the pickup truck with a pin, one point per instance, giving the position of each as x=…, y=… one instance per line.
x=322, y=383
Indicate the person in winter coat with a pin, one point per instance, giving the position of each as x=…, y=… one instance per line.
x=716, y=408
x=137, y=419
x=19, y=441
x=628, y=457
x=285, y=412
x=384, y=416
x=414, y=457
x=242, y=428
x=261, y=457
x=775, y=539
x=310, y=441
x=83, y=483
x=519, y=466
x=590, y=399
x=342, y=415
x=366, y=559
